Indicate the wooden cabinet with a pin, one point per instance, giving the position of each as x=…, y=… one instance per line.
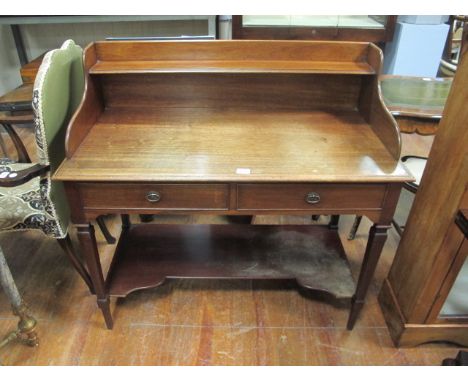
x=232, y=128
x=377, y=29
x=433, y=247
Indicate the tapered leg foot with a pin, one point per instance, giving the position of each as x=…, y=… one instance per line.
x=104, y=305
x=356, y=307
x=91, y=254
x=377, y=238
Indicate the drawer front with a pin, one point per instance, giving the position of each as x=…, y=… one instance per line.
x=155, y=196
x=309, y=196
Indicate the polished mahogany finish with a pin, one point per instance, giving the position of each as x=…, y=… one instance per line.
x=160, y=197
x=230, y=128
x=18, y=99
x=285, y=197
x=16, y=178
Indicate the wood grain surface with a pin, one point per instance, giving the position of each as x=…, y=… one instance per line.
x=211, y=144
x=220, y=90
x=225, y=66
x=237, y=51
x=29, y=71
x=20, y=97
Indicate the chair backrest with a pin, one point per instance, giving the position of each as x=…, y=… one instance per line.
x=58, y=90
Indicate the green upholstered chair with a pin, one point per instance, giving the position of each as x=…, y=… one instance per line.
x=29, y=199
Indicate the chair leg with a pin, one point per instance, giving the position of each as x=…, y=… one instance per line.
x=77, y=263
x=240, y=219
x=102, y=225
x=3, y=147
x=354, y=228
x=334, y=220
x=27, y=324
x=145, y=218
x=126, y=223
x=398, y=228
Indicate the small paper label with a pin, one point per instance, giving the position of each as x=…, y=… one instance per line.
x=243, y=171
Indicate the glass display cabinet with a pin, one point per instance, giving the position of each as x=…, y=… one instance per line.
x=370, y=28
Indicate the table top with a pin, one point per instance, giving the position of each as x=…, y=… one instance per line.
x=18, y=99
x=231, y=145
x=17, y=117
x=415, y=96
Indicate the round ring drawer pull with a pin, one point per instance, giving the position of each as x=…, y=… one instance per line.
x=312, y=198
x=153, y=197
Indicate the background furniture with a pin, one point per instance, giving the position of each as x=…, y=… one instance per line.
x=415, y=49
x=28, y=198
x=433, y=247
x=236, y=141
x=27, y=324
x=7, y=120
x=16, y=108
x=377, y=29
x=15, y=23
x=454, y=47
x=417, y=103
x=460, y=360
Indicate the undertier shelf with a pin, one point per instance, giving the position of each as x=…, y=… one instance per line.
x=149, y=254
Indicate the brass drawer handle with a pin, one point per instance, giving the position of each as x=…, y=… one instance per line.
x=153, y=197
x=312, y=198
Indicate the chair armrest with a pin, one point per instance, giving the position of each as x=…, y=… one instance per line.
x=16, y=178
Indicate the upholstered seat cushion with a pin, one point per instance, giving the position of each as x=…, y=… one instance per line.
x=24, y=206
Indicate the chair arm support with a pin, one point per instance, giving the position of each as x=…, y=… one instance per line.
x=16, y=178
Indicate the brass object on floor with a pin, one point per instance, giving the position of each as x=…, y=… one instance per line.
x=26, y=330
x=27, y=324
